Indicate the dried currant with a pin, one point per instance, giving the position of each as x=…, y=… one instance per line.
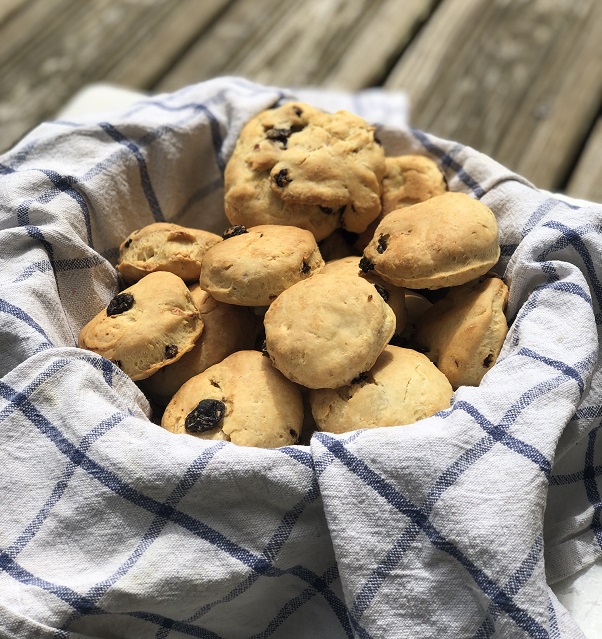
x=282, y=179
x=127, y=243
x=171, y=350
x=120, y=303
x=362, y=377
x=383, y=240
x=278, y=135
x=488, y=361
x=298, y=111
x=366, y=265
x=382, y=291
x=305, y=268
x=207, y=414
x=233, y=231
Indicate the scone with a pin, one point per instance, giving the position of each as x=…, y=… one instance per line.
x=227, y=329
x=148, y=325
x=254, y=266
x=402, y=388
x=325, y=331
x=393, y=295
x=298, y=166
x=243, y=399
x=164, y=247
x=446, y=241
x=464, y=332
x=409, y=179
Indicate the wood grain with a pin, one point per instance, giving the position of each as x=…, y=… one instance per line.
x=518, y=80
x=586, y=179
x=337, y=43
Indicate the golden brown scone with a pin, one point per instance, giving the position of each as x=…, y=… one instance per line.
x=227, y=329
x=325, y=331
x=446, y=241
x=296, y=165
x=393, y=295
x=402, y=388
x=243, y=399
x=164, y=247
x=410, y=179
x=464, y=332
x=253, y=267
x=148, y=325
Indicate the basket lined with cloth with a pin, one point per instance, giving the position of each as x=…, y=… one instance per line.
x=113, y=527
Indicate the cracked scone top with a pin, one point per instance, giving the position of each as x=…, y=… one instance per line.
x=296, y=165
x=325, y=331
x=243, y=399
x=403, y=387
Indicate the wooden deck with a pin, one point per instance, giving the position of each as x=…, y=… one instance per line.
x=520, y=80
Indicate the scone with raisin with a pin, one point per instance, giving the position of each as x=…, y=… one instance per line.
x=164, y=247
x=227, y=328
x=145, y=327
x=402, y=388
x=446, y=241
x=253, y=266
x=243, y=399
x=298, y=166
x=325, y=331
x=464, y=332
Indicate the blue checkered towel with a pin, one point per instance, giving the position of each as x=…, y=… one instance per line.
x=112, y=527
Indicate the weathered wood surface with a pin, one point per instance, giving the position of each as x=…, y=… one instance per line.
x=520, y=80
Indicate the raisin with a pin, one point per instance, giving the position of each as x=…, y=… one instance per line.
x=366, y=265
x=127, y=243
x=305, y=268
x=282, y=179
x=120, y=303
x=488, y=360
x=233, y=231
x=278, y=135
x=382, y=243
x=382, y=291
x=293, y=433
x=362, y=377
x=298, y=111
x=399, y=340
x=118, y=363
x=207, y=415
x=171, y=350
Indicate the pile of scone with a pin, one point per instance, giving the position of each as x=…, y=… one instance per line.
x=352, y=290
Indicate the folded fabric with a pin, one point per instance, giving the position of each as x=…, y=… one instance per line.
x=114, y=527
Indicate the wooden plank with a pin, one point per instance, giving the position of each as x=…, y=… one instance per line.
x=84, y=43
x=310, y=42
x=517, y=80
x=9, y=7
x=586, y=179
x=20, y=30
x=155, y=50
x=371, y=50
